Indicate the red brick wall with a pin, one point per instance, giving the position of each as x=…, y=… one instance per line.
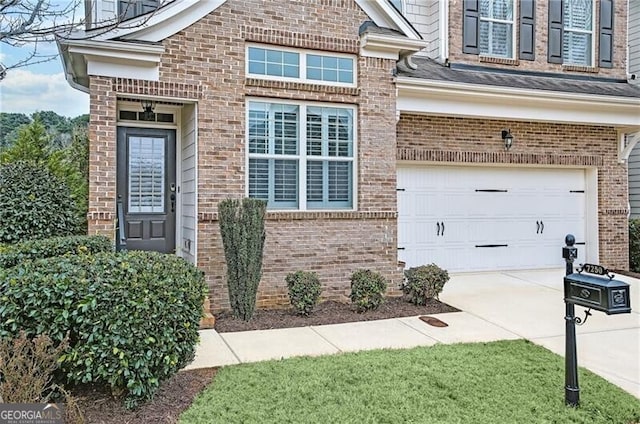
x=540, y=63
x=461, y=140
x=206, y=63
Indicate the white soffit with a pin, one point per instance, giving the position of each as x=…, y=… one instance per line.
x=482, y=101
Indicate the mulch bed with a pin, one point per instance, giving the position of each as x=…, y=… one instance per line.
x=176, y=394
x=329, y=312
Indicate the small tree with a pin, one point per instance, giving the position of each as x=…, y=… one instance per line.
x=243, y=235
x=34, y=204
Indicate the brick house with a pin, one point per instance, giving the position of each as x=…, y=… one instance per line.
x=383, y=134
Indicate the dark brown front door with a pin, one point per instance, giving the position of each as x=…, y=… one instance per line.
x=146, y=197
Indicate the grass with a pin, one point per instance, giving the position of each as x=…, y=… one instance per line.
x=500, y=382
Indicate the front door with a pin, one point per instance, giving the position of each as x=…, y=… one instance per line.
x=146, y=184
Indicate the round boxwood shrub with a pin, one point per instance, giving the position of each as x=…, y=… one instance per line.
x=367, y=289
x=132, y=317
x=424, y=282
x=34, y=204
x=304, y=290
x=13, y=254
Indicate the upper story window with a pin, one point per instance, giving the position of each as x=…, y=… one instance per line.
x=497, y=28
x=300, y=65
x=576, y=27
x=128, y=9
x=301, y=155
x=577, y=40
x=399, y=4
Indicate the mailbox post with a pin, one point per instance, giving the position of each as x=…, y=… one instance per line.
x=601, y=293
x=571, y=389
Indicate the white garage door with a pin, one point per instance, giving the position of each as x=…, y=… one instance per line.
x=479, y=218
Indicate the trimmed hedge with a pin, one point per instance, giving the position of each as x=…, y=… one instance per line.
x=367, y=289
x=424, y=282
x=12, y=255
x=132, y=317
x=304, y=291
x=34, y=204
x=634, y=245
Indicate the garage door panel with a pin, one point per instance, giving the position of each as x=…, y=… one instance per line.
x=488, y=207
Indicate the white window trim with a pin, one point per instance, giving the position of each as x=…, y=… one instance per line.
x=594, y=21
x=514, y=31
x=403, y=6
x=303, y=65
x=302, y=157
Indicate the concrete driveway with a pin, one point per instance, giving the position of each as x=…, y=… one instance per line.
x=530, y=304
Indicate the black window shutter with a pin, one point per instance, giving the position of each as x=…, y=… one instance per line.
x=470, y=27
x=527, y=30
x=554, y=48
x=606, y=34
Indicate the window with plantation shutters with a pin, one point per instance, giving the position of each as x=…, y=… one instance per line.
x=146, y=175
x=300, y=156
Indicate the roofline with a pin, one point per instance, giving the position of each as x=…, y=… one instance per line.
x=384, y=14
x=421, y=84
x=495, y=102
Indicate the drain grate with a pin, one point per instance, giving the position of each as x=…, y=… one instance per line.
x=435, y=322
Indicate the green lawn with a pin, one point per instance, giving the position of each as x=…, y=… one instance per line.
x=501, y=382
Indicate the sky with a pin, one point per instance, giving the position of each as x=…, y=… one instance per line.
x=39, y=87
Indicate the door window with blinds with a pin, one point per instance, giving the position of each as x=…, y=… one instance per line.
x=496, y=28
x=578, y=32
x=301, y=156
x=146, y=175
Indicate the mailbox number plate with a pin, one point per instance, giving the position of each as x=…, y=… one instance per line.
x=595, y=269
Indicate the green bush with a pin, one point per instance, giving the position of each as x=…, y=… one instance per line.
x=132, y=317
x=242, y=229
x=367, y=289
x=634, y=245
x=14, y=254
x=424, y=282
x=34, y=204
x=304, y=291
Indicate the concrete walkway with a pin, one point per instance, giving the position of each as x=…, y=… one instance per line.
x=496, y=306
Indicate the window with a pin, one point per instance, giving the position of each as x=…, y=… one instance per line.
x=573, y=33
x=128, y=9
x=276, y=63
x=300, y=156
x=496, y=28
x=300, y=65
x=398, y=4
x=578, y=32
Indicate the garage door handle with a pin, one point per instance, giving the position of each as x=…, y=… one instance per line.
x=438, y=226
x=538, y=224
x=541, y=227
x=442, y=223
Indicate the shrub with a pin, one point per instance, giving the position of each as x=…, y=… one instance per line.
x=26, y=367
x=424, y=282
x=34, y=204
x=14, y=254
x=367, y=289
x=634, y=245
x=304, y=291
x=132, y=317
x=242, y=229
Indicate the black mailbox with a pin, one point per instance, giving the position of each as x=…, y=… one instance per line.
x=600, y=293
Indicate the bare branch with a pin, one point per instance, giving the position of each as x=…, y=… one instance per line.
x=33, y=22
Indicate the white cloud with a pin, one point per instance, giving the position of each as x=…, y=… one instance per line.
x=24, y=91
